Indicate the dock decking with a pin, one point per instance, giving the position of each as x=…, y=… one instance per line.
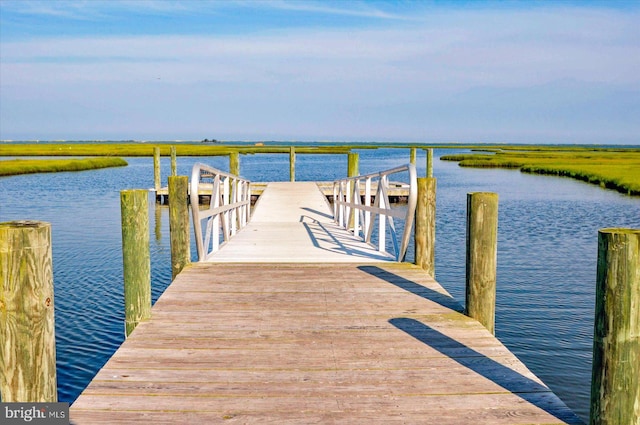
x=330, y=342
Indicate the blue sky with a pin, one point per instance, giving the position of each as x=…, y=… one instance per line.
x=433, y=71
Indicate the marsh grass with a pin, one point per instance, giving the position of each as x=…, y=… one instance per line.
x=138, y=149
x=29, y=166
x=617, y=169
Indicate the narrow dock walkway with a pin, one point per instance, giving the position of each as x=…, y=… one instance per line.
x=292, y=222
x=304, y=342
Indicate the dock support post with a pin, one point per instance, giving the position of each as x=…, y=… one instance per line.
x=174, y=162
x=353, y=165
x=482, y=255
x=412, y=155
x=27, y=328
x=179, y=223
x=425, y=230
x=615, y=383
x=234, y=163
x=136, y=258
x=156, y=169
x=292, y=164
x=429, y=162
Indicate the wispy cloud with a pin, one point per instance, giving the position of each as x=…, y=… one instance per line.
x=352, y=8
x=511, y=49
x=410, y=76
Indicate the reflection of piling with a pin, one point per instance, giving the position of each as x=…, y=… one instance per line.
x=482, y=255
x=425, y=230
x=135, y=256
x=157, y=224
x=615, y=383
x=27, y=329
x=179, y=223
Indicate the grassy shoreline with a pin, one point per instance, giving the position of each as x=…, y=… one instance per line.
x=610, y=167
x=29, y=166
x=137, y=149
x=617, y=169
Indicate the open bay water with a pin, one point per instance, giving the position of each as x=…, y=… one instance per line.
x=547, y=252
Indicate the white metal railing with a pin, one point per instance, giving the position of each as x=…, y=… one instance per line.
x=350, y=213
x=229, y=208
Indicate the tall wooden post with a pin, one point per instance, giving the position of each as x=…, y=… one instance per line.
x=425, y=230
x=412, y=155
x=234, y=163
x=27, y=328
x=179, y=223
x=174, y=162
x=135, y=256
x=482, y=256
x=353, y=164
x=429, y=162
x=615, y=383
x=292, y=164
x=157, y=181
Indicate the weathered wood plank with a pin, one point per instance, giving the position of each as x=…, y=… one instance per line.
x=337, y=408
x=282, y=343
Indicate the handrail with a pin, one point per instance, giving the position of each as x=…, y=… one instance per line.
x=349, y=212
x=229, y=207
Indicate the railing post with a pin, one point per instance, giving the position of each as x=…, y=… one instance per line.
x=292, y=164
x=174, y=162
x=429, y=162
x=27, y=331
x=615, y=383
x=234, y=163
x=135, y=256
x=179, y=224
x=156, y=169
x=412, y=155
x=482, y=254
x=425, y=230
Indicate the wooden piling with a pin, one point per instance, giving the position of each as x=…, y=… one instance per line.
x=482, y=254
x=425, y=229
x=412, y=155
x=174, y=162
x=27, y=328
x=234, y=163
x=292, y=164
x=135, y=256
x=615, y=383
x=353, y=164
x=429, y=162
x=179, y=224
x=157, y=181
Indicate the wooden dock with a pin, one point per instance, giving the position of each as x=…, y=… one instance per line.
x=398, y=192
x=316, y=334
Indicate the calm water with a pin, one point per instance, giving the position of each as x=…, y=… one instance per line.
x=546, y=261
